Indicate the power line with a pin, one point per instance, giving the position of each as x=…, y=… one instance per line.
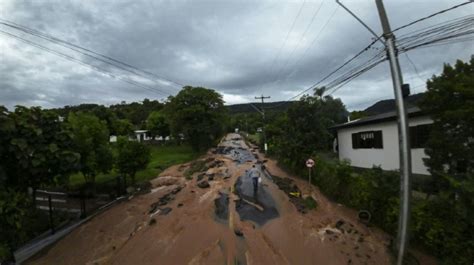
x=310, y=45
x=414, y=67
x=73, y=59
x=286, y=39
x=336, y=70
x=90, y=53
x=455, y=30
x=432, y=15
x=300, y=40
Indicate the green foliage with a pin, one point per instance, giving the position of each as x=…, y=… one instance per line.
x=310, y=203
x=122, y=127
x=136, y=113
x=439, y=224
x=248, y=122
x=355, y=115
x=304, y=129
x=13, y=209
x=157, y=125
x=91, y=141
x=198, y=114
x=132, y=156
x=449, y=101
x=36, y=149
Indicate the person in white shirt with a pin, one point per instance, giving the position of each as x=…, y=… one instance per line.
x=255, y=175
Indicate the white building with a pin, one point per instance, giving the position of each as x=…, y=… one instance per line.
x=373, y=140
x=141, y=135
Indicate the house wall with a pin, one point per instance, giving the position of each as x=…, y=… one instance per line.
x=388, y=157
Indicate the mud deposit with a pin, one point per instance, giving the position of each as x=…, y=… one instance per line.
x=238, y=154
x=258, y=207
x=221, y=205
x=289, y=187
x=206, y=212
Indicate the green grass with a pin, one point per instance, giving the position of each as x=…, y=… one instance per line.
x=254, y=138
x=161, y=158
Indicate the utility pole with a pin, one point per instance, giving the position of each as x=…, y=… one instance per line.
x=265, y=147
x=404, y=144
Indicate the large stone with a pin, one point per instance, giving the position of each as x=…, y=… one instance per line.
x=203, y=184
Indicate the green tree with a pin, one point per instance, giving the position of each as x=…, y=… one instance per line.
x=14, y=207
x=122, y=127
x=357, y=114
x=91, y=141
x=157, y=125
x=36, y=149
x=198, y=114
x=450, y=102
x=132, y=156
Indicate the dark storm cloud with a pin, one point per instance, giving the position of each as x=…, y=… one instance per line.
x=230, y=46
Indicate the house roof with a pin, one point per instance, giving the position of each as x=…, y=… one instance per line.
x=387, y=116
x=387, y=105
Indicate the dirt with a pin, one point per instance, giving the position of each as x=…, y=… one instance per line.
x=179, y=223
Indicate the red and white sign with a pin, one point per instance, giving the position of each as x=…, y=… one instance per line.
x=310, y=163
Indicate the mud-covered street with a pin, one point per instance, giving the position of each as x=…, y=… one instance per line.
x=214, y=217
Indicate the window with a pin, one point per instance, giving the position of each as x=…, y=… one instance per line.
x=369, y=139
x=419, y=135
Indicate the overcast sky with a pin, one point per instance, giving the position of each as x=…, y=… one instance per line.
x=236, y=47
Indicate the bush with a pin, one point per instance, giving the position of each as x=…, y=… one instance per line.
x=439, y=224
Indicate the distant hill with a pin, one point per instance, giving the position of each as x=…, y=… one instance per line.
x=388, y=105
x=270, y=106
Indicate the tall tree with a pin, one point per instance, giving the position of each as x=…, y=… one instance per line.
x=91, y=141
x=132, y=156
x=122, y=127
x=305, y=128
x=198, y=114
x=450, y=102
x=36, y=148
x=157, y=124
x=35, y=151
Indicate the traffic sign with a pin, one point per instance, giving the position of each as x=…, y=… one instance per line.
x=310, y=163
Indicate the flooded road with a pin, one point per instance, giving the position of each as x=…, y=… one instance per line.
x=215, y=217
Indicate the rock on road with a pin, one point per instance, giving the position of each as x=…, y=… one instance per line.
x=215, y=218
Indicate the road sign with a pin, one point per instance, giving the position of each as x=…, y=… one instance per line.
x=310, y=163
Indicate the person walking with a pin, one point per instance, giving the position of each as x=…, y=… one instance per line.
x=255, y=175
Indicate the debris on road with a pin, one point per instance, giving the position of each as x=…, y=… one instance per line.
x=221, y=205
x=289, y=187
x=203, y=184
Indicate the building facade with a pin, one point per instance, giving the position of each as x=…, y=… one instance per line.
x=373, y=141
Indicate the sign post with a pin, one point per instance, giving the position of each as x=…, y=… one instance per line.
x=309, y=165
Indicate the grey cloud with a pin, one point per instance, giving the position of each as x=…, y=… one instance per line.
x=228, y=46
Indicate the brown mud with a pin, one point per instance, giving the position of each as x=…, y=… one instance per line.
x=223, y=222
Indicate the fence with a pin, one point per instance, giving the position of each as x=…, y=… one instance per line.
x=78, y=204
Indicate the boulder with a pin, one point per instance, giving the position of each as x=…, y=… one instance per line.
x=203, y=184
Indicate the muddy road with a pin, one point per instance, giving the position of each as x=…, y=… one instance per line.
x=215, y=217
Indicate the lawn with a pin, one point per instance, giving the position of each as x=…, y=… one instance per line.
x=254, y=138
x=161, y=158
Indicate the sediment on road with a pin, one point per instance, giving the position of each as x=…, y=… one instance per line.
x=211, y=215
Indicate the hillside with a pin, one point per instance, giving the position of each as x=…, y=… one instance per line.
x=247, y=108
x=388, y=105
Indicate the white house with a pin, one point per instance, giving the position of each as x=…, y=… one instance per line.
x=373, y=140
x=141, y=135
